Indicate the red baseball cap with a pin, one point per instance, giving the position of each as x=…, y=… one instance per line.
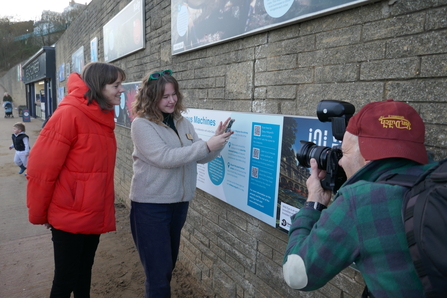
x=389, y=129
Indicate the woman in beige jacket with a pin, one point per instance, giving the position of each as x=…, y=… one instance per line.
x=166, y=152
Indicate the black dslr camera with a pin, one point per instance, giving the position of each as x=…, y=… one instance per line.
x=339, y=113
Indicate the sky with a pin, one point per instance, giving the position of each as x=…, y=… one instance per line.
x=25, y=10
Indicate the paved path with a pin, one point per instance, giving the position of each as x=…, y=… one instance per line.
x=26, y=250
x=26, y=263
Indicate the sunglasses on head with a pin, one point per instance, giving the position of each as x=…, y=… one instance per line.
x=157, y=75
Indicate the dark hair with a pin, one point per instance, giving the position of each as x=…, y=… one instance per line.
x=151, y=93
x=20, y=125
x=96, y=76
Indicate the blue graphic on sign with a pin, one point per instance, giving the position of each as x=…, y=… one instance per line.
x=216, y=170
x=263, y=167
x=314, y=131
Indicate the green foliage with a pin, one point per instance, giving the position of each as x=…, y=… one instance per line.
x=21, y=40
x=13, y=52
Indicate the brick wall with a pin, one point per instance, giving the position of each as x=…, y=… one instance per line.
x=386, y=49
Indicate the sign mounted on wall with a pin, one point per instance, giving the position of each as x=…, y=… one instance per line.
x=257, y=171
x=94, y=50
x=19, y=72
x=124, y=33
x=60, y=94
x=61, y=72
x=199, y=23
x=123, y=111
x=77, y=60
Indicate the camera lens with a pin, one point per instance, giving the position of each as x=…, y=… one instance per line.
x=310, y=150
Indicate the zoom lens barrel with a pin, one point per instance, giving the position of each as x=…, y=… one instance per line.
x=310, y=150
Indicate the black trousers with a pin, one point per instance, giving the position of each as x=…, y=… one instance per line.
x=73, y=261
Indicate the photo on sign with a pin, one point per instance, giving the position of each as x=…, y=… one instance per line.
x=60, y=94
x=77, y=60
x=67, y=70
x=94, y=50
x=292, y=190
x=19, y=72
x=200, y=23
x=125, y=32
x=123, y=111
x=61, y=72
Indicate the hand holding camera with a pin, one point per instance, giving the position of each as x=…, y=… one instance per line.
x=316, y=192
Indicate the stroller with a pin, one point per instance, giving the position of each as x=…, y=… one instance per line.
x=7, y=105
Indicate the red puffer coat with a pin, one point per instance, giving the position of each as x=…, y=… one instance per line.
x=71, y=167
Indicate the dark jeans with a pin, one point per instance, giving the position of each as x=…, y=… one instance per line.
x=73, y=260
x=156, y=230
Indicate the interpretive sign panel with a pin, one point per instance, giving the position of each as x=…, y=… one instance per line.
x=77, y=60
x=200, y=23
x=94, y=50
x=123, y=111
x=124, y=34
x=257, y=171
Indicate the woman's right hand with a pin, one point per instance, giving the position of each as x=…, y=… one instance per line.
x=222, y=126
x=217, y=142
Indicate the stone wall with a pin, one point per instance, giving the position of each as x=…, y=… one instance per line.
x=386, y=49
x=9, y=83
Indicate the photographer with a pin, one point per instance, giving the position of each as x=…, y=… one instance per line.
x=363, y=225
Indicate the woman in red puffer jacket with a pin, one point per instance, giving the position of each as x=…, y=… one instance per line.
x=70, y=174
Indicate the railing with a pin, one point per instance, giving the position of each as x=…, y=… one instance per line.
x=41, y=32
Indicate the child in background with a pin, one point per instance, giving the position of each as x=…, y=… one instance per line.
x=20, y=141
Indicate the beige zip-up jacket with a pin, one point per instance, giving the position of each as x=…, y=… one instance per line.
x=165, y=164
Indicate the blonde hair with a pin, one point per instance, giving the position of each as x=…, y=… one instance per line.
x=20, y=125
x=151, y=93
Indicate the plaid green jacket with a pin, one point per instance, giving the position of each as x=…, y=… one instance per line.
x=363, y=226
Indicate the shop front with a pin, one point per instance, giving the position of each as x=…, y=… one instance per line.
x=39, y=77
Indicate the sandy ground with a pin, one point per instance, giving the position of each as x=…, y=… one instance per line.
x=118, y=273
x=26, y=256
